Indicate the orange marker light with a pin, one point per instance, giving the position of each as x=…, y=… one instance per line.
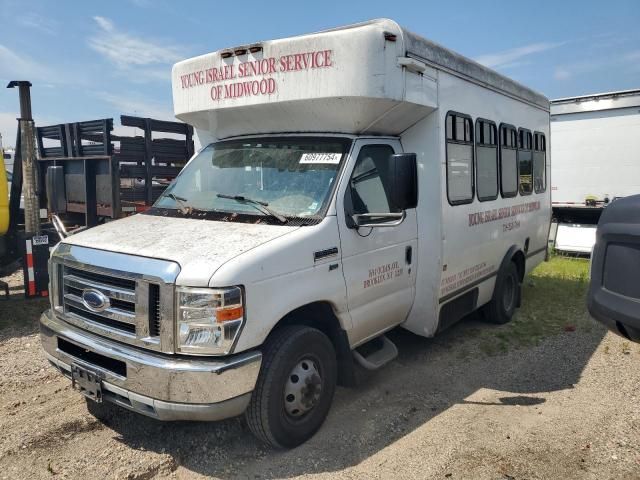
x=229, y=313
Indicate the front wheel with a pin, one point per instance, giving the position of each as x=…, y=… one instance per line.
x=506, y=295
x=295, y=387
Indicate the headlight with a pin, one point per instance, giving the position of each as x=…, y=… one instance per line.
x=209, y=319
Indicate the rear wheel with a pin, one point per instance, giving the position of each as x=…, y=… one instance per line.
x=506, y=294
x=295, y=387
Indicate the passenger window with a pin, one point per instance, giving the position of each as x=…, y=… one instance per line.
x=459, y=134
x=368, y=182
x=525, y=161
x=539, y=161
x=486, y=160
x=508, y=161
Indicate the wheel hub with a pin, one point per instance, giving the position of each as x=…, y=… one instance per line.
x=302, y=389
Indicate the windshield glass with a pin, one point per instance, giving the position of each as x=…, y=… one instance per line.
x=292, y=176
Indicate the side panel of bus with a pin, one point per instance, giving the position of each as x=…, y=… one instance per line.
x=476, y=230
x=479, y=233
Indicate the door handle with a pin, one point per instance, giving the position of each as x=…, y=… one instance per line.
x=408, y=253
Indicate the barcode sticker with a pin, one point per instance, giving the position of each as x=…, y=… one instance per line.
x=325, y=158
x=41, y=240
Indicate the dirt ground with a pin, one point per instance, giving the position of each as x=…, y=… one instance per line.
x=552, y=395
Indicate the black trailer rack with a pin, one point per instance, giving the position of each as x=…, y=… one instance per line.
x=107, y=175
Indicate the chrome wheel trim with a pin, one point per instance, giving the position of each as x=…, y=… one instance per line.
x=303, y=388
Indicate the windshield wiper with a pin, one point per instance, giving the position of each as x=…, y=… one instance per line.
x=262, y=206
x=184, y=208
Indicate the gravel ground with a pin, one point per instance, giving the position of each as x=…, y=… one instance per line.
x=567, y=407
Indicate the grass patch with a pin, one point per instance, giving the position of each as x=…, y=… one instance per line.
x=553, y=301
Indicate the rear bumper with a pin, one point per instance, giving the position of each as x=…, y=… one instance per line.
x=160, y=386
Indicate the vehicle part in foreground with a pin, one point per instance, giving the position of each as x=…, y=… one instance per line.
x=614, y=292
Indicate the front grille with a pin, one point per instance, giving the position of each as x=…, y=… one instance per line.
x=119, y=315
x=154, y=310
x=127, y=327
x=126, y=283
x=139, y=306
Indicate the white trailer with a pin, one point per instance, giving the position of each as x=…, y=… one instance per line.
x=357, y=179
x=596, y=159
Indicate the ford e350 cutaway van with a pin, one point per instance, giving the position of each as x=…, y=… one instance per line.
x=351, y=181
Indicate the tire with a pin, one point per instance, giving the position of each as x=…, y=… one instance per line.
x=506, y=296
x=279, y=414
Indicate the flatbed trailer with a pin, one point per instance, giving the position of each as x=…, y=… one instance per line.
x=91, y=175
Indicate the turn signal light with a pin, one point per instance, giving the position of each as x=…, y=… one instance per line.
x=226, y=314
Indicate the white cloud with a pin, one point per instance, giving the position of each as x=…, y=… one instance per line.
x=509, y=58
x=632, y=56
x=8, y=128
x=126, y=51
x=516, y=64
x=138, y=106
x=21, y=67
x=561, y=73
x=617, y=63
x=9, y=125
x=141, y=3
x=104, y=23
x=38, y=22
x=15, y=65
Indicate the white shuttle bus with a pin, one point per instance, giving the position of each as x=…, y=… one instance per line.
x=596, y=150
x=352, y=181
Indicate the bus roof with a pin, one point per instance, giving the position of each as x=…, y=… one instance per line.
x=370, y=77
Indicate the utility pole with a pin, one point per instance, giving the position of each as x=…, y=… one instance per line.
x=28, y=154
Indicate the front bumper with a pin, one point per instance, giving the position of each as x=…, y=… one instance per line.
x=160, y=386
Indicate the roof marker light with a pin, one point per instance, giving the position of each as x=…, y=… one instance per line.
x=240, y=51
x=392, y=37
x=255, y=48
x=226, y=54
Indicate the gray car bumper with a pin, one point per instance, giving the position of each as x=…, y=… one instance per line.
x=160, y=386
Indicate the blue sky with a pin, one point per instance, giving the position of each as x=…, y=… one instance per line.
x=90, y=59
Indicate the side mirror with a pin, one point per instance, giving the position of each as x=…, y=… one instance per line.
x=56, y=197
x=399, y=172
x=403, y=180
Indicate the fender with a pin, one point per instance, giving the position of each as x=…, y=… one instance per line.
x=321, y=315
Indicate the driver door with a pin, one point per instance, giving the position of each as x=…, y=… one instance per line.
x=379, y=264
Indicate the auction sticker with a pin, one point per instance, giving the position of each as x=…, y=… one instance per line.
x=325, y=158
x=41, y=240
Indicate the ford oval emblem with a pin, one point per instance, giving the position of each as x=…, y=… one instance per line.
x=95, y=300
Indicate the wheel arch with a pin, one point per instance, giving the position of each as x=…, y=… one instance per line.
x=322, y=316
x=515, y=255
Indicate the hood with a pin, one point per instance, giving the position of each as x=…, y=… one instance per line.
x=200, y=247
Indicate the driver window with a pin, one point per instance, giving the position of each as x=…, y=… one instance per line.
x=368, y=193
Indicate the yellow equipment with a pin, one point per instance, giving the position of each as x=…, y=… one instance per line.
x=4, y=194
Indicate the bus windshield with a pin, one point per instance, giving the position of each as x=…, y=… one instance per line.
x=292, y=176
